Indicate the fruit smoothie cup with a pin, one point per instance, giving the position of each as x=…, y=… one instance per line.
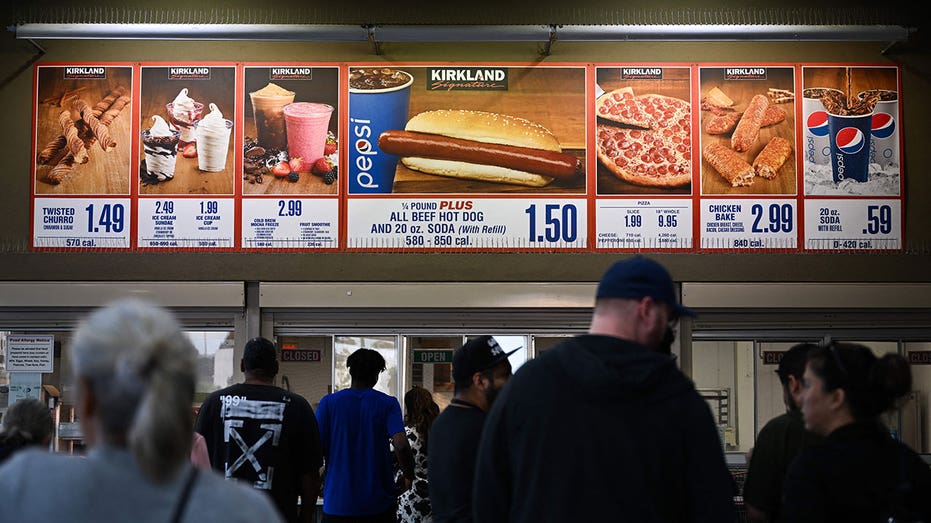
x=267, y=110
x=160, y=144
x=213, y=140
x=307, y=125
x=183, y=112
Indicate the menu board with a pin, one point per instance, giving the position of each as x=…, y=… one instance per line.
x=81, y=169
x=290, y=130
x=497, y=141
x=408, y=157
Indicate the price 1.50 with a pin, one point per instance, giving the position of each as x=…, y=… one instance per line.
x=780, y=218
x=559, y=223
x=110, y=218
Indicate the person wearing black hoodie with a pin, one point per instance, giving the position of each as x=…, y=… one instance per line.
x=604, y=426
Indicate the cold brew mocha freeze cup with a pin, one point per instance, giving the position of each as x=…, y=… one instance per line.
x=213, y=140
x=268, y=112
x=160, y=144
x=379, y=100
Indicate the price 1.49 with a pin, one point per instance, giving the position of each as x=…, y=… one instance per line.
x=559, y=223
x=110, y=218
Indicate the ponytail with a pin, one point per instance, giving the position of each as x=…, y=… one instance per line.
x=889, y=379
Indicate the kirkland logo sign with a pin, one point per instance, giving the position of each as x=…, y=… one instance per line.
x=641, y=73
x=85, y=73
x=188, y=73
x=745, y=73
x=290, y=73
x=467, y=79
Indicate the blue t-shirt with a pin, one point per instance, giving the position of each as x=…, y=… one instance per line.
x=356, y=426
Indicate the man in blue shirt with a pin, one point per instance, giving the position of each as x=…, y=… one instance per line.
x=356, y=425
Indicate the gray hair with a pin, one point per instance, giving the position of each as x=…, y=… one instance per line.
x=140, y=365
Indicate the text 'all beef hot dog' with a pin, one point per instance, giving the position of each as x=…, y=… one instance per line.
x=480, y=146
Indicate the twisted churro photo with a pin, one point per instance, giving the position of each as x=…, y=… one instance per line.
x=82, y=130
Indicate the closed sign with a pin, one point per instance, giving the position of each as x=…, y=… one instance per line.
x=301, y=355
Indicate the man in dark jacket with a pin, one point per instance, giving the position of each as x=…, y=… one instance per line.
x=604, y=426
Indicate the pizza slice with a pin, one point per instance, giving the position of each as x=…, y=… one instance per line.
x=650, y=158
x=621, y=106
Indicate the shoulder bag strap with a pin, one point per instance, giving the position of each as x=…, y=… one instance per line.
x=185, y=494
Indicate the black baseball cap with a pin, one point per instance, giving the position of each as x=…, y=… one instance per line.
x=477, y=355
x=637, y=278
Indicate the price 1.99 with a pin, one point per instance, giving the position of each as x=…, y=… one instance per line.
x=780, y=218
x=110, y=217
x=559, y=223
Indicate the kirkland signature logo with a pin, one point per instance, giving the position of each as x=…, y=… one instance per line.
x=188, y=73
x=745, y=73
x=290, y=73
x=85, y=72
x=641, y=73
x=467, y=79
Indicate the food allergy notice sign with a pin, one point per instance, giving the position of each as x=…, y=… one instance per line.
x=30, y=353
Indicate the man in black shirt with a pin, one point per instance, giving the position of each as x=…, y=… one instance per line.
x=264, y=435
x=480, y=370
x=777, y=444
x=604, y=426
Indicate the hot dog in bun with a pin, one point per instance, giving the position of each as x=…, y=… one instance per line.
x=482, y=146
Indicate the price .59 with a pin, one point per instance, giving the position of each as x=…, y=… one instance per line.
x=559, y=223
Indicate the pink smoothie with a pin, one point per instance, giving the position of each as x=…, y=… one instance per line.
x=307, y=125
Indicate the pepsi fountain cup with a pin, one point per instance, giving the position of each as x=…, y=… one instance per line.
x=884, y=131
x=379, y=100
x=816, y=147
x=850, y=146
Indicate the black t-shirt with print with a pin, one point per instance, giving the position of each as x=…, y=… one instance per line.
x=262, y=435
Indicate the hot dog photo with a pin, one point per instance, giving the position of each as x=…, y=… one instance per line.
x=470, y=129
x=748, y=130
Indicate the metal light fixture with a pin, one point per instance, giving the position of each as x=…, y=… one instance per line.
x=463, y=33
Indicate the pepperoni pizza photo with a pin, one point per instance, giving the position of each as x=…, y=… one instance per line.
x=643, y=134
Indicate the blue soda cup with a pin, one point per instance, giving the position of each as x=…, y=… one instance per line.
x=849, y=137
x=379, y=100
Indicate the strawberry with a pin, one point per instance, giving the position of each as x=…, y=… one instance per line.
x=282, y=169
x=189, y=151
x=329, y=149
x=321, y=166
x=297, y=164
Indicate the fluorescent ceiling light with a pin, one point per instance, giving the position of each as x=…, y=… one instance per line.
x=463, y=33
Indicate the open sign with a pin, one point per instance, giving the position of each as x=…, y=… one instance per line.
x=433, y=356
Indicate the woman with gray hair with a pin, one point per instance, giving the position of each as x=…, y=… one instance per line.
x=134, y=381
